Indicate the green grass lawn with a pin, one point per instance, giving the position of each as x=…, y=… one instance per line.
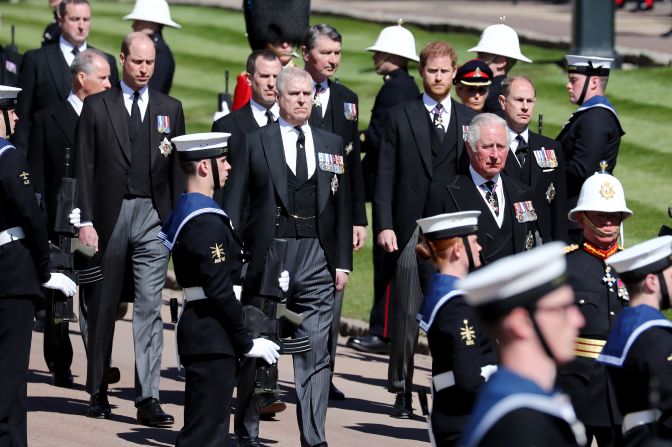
x=213, y=40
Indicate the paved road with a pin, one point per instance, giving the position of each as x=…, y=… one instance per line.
x=55, y=416
x=637, y=34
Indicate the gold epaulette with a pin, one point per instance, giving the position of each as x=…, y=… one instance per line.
x=571, y=248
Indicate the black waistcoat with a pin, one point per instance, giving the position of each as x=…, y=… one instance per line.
x=502, y=244
x=139, y=178
x=302, y=205
x=444, y=151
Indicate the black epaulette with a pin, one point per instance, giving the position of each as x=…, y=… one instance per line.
x=571, y=248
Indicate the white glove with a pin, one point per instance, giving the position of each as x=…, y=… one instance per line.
x=283, y=281
x=75, y=217
x=58, y=281
x=264, y=349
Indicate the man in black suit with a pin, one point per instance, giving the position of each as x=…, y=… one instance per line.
x=508, y=222
x=535, y=160
x=294, y=177
x=263, y=68
x=422, y=145
x=54, y=131
x=149, y=17
x=44, y=75
x=393, y=49
x=129, y=180
x=336, y=110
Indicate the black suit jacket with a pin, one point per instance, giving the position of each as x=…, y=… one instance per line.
x=262, y=181
x=461, y=194
x=103, y=157
x=347, y=130
x=53, y=131
x=548, y=185
x=45, y=80
x=236, y=123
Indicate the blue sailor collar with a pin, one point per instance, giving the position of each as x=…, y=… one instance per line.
x=631, y=323
x=441, y=290
x=507, y=391
x=5, y=145
x=188, y=206
x=598, y=101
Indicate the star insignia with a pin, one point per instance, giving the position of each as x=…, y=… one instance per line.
x=218, y=254
x=468, y=334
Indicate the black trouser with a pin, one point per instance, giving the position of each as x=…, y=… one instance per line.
x=57, y=346
x=207, y=399
x=16, y=325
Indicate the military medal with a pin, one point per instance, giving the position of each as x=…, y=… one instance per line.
x=165, y=147
x=525, y=211
x=317, y=102
x=350, y=111
x=608, y=279
x=163, y=123
x=465, y=132
x=622, y=291
x=334, y=184
x=550, y=193
x=529, y=242
x=546, y=158
x=330, y=162
x=348, y=148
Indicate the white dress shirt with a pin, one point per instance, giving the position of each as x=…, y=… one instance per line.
x=480, y=181
x=289, y=137
x=259, y=112
x=324, y=95
x=143, y=100
x=514, y=143
x=76, y=103
x=66, y=49
x=430, y=103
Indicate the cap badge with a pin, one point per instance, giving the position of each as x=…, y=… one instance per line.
x=607, y=191
x=477, y=73
x=468, y=334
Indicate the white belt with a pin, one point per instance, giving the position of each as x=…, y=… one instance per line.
x=190, y=294
x=644, y=417
x=443, y=380
x=11, y=235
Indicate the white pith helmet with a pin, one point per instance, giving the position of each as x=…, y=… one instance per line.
x=601, y=192
x=156, y=11
x=502, y=40
x=396, y=40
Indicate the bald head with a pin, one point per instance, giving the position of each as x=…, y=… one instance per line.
x=137, y=60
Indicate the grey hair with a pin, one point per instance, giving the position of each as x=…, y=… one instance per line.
x=478, y=123
x=315, y=31
x=83, y=62
x=291, y=73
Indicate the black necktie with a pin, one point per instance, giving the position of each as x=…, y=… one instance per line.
x=136, y=119
x=269, y=117
x=75, y=51
x=491, y=196
x=522, y=149
x=301, y=162
x=437, y=120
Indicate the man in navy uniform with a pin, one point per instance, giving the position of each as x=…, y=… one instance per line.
x=601, y=296
x=392, y=51
x=527, y=305
x=533, y=159
x=593, y=132
x=24, y=263
x=637, y=352
x=211, y=335
x=149, y=17
x=336, y=110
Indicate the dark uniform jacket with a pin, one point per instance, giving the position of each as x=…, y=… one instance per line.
x=461, y=351
x=24, y=263
x=341, y=118
x=103, y=157
x=11, y=62
x=398, y=87
x=206, y=254
x=236, y=123
x=164, y=66
x=592, y=134
x=512, y=410
x=547, y=182
x=263, y=181
x=637, y=355
x=45, y=80
x=492, y=104
x=405, y=170
x=461, y=194
x=53, y=131
x=600, y=296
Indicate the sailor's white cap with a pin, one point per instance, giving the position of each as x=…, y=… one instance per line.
x=199, y=146
x=8, y=96
x=634, y=263
x=444, y=226
x=588, y=65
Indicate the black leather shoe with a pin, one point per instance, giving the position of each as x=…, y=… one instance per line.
x=369, y=343
x=64, y=380
x=151, y=414
x=99, y=407
x=246, y=441
x=270, y=404
x=667, y=34
x=335, y=393
x=403, y=408
x=113, y=375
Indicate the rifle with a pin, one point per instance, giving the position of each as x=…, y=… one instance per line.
x=224, y=97
x=62, y=254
